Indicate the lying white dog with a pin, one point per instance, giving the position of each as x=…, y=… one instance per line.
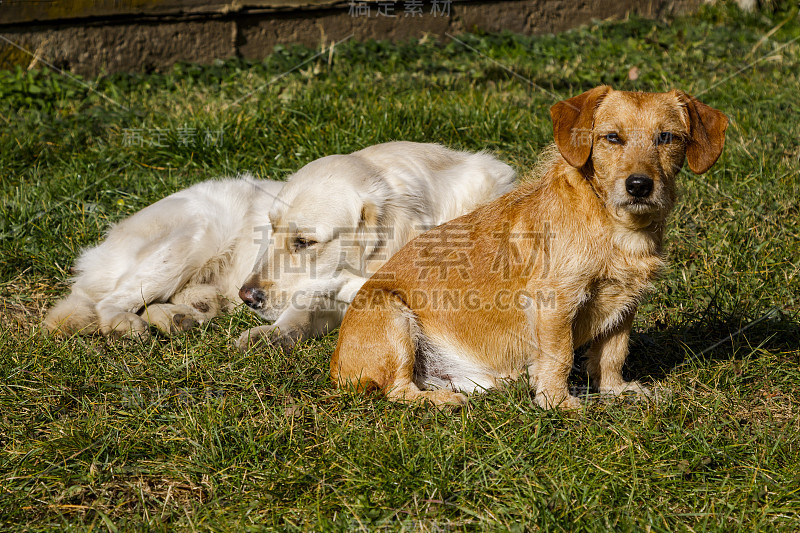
x=341, y=217
x=181, y=261
x=173, y=264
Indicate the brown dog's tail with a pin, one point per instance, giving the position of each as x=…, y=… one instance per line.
x=74, y=314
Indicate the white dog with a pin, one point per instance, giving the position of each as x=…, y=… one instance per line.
x=340, y=218
x=181, y=261
x=173, y=264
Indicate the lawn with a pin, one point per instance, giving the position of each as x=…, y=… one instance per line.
x=184, y=432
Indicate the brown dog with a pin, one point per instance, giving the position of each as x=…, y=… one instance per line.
x=518, y=284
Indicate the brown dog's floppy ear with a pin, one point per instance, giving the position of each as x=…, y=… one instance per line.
x=572, y=125
x=706, y=133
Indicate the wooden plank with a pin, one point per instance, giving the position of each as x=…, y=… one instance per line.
x=26, y=11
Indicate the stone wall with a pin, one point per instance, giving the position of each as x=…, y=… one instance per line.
x=93, y=36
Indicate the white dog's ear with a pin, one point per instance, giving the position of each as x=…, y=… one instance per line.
x=370, y=234
x=370, y=214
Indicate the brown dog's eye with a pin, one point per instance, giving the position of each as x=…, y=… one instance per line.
x=665, y=137
x=301, y=243
x=613, y=138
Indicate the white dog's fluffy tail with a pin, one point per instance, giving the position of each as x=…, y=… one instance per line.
x=74, y=314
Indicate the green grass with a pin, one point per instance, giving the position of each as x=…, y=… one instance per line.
x=186, y=433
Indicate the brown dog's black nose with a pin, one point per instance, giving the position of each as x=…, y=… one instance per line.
x=252, y=296
x=639, y=185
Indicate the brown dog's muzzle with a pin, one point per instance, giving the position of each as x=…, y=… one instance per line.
x=639, y=185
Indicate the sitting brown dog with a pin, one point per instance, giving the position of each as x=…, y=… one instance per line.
x=517, y=285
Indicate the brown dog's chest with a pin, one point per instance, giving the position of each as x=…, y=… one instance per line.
x=612, y=295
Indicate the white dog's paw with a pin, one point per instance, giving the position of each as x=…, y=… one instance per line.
x=628, y=387
x=268, y=336
x=183, y=322
x=125, y=325
x=170, y=318
x=252, y=337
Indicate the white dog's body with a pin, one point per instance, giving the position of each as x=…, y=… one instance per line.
x=342, y=217
x=182, y=260
x=176, y=262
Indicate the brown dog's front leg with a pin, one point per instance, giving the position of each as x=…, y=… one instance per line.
x=606, y=357
x=553, y=365
x=553, y=357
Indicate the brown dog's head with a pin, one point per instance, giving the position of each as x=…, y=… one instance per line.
x=632, y=145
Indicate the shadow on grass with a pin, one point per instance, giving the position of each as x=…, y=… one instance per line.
x=714, y=335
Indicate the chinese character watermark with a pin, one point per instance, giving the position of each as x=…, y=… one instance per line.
x=411, y=8
x=189, y=137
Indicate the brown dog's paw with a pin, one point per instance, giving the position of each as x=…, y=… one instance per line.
x=444, y=398
x=628, y=387
x=566, y=402
x=439, y=398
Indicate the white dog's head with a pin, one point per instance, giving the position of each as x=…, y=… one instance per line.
x=325, y=224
